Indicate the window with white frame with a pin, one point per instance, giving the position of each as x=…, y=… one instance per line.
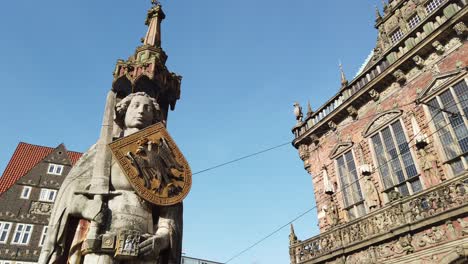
x=4, y=231
x=395, y=162
x=349, y=184
x=55, y=169
x=414, y=21
x=432, y=5
x=6, y=262
x=25, y=192
x=43, y=236
x=451, y=124
x=22, y=234
x=396, y=35
x=47, y=195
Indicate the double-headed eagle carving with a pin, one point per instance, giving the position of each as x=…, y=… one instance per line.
x=155, y=161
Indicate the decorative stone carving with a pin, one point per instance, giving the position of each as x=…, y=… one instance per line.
x=461, y=29
x=333, y=126
x=304, y=153
x=292, y=236
x=41, y=208
x=352, y=111
x=327, y=184
x=463, y=225
x=380, y=121
x=438, y=47
x=422, y=206
x=374, y=95
x=332, y=212
x=371, y=194
x=429, y=166
x=419, y=137
x=403, y=245
x=399, y=76
x=298, y=113
x=418, y=61
x=365, y=169
x=439, y=81
x=339, y=149
x=315, y=139
x=363, y=257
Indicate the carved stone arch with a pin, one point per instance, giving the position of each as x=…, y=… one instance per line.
x=340, y=148
x=122, y=87
x=457, y=256
x=144, y=84
x=439, y=82
x=381, y=121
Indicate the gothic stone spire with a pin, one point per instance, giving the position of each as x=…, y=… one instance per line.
x=153, y=21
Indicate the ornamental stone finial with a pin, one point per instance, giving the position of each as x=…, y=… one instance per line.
x=344, y=81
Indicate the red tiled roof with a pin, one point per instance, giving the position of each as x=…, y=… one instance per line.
x=25, y=157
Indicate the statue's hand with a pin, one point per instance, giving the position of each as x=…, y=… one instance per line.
x=153, y=245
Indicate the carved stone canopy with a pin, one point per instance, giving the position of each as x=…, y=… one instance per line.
x=440, y=81
x=380, y=121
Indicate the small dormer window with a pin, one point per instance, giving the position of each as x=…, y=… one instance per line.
x=432, y=5
x=55, y=169
x=397, y=35
x=414, y=21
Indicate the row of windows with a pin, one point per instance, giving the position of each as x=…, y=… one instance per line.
x=22, y=234
x=392, y=155
x=47, y=195
x=414, y=20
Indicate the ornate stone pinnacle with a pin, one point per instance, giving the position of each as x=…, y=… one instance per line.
x=377, y=14
x=344, y=81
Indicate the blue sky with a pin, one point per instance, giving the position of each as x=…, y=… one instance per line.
x=243, y=63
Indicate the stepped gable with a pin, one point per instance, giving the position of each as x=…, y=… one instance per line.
x=25, y=157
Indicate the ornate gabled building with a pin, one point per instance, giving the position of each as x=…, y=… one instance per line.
x=388, y=154
x=28, y=189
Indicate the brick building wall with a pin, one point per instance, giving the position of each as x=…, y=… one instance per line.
x=29, y=187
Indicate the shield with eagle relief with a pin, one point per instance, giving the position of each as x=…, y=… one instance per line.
x=154, y=165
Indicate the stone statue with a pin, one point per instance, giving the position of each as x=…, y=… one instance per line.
x=371, y=194
x=332, y=212
x=298, y=112
x=429, y=167
x=115, y=225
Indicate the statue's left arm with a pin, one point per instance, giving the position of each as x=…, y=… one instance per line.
x=166, y=244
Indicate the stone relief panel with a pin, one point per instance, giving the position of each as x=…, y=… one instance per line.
x=449, y=196
x=41, y=208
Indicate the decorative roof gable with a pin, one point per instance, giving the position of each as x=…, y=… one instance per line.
x=26, y=157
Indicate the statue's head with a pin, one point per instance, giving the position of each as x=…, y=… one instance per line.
x=137, y=110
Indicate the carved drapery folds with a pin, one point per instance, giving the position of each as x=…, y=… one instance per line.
x=406, y=211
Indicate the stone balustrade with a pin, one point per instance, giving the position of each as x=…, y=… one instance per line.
x=396, y=219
